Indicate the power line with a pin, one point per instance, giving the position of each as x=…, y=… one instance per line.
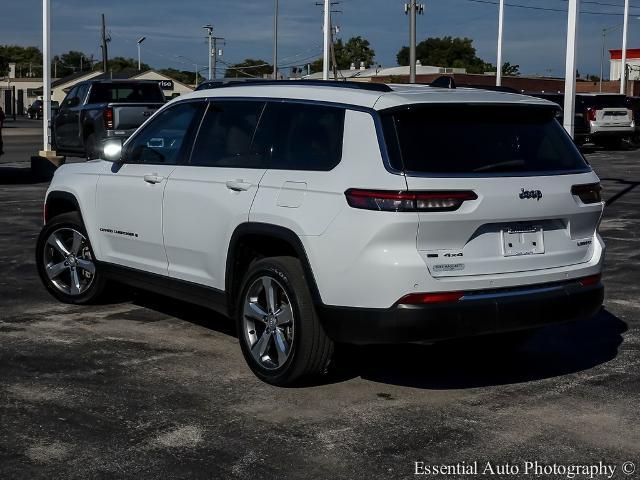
x=546, y=9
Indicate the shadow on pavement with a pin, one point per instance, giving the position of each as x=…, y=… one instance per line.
x=630, y=185
x=19, y=176
x=480, y=362
x=468, y=363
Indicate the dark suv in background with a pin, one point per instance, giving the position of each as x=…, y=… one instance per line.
x=97, y=110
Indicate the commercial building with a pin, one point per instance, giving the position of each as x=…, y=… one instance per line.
x=633, y=64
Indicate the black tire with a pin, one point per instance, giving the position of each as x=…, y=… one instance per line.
x=95, y=283
x=310, y=348
x=90, y=147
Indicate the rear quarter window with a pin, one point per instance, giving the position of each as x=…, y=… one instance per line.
x=299, y=136
x=450, y=139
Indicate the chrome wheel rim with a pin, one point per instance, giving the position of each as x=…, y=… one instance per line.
x=268, y=325
x=68, y=262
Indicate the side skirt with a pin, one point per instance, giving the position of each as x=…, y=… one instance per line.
x=190, y=292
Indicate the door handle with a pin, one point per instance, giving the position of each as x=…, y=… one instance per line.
x=238, y=185
x=153, y=178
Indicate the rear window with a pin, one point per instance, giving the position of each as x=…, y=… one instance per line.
x=478, y=139
x=126, y=92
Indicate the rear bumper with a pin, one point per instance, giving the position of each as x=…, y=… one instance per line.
x=477, y=313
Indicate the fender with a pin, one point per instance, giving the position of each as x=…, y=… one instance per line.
x=275, y=231
x=60, y=195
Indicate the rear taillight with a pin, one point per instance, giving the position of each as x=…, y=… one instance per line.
x=422, y=298
x=591, y=280
x=108, y=118
x=588, y=193
x=389, y=201
x=591, y=114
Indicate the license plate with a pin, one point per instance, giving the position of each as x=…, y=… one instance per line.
x=522, y=241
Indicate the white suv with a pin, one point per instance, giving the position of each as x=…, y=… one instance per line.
x=316, y=213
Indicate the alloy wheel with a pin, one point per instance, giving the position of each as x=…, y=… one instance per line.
x=268, y=325
x=68, y=262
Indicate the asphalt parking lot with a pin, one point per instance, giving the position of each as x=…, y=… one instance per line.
x=149, y=388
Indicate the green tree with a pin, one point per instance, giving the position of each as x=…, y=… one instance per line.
x=510, y=70
x=118, y=64
x=355, y=50
x=28, y=60
x=447, y=52
x=184, y=76
x=249, y=68
x=72, y=62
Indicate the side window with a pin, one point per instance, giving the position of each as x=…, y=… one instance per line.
x=68, y=100
x=82, y=93
x=301, y=136
x=226, y=134
x=161, y=141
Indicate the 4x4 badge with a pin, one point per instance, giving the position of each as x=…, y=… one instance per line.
x=537, y=194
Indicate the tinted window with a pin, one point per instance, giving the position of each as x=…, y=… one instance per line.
x=126, y=92
x=225, y=136
x=70, y=96
x=301, y=136
x=161, y=141
x=459, y=139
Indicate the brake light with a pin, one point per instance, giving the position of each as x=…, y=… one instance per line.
x=588, y=193
x=391, y=201
x=107, y=115
x=422, y=298
x=591, y=114
x=591, y=280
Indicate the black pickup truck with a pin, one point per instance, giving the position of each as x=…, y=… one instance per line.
x=97, y=110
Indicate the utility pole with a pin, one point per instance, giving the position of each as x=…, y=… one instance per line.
x=570, y=71
x=500, y=38
x=604, y=43
x=412, y=9
x=275, y=41
x=625, y=33
x=105, y=52
x=209, y=29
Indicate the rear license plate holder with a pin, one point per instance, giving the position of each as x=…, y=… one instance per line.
x=520, y=241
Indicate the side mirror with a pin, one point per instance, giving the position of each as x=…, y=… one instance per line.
x=112, y=150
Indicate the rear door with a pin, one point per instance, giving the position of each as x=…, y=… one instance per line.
x=500, y=180
x=206, y=199
x=65, y=131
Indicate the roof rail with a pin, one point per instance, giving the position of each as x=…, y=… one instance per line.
x=372, y=87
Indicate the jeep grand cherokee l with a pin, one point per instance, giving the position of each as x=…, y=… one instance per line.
x=315, y=213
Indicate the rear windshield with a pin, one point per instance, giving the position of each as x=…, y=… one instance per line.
x=126, y=92
x=477, y=139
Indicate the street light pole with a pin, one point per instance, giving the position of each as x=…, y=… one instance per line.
x=327, y=39
x=604, y=47
x=625, y=31
x=500, y=37
x=46, y=75
x=570, y=73
x=140, y=40
x=412, y=41
x=275, y=41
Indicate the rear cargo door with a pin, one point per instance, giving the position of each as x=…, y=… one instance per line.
x=131, y=115
x=521, y=166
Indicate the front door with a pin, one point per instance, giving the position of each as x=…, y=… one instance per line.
x=129, y=197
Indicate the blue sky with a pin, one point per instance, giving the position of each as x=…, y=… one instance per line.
x=535, y=39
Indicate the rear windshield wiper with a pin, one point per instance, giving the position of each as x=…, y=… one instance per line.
x=509, y=164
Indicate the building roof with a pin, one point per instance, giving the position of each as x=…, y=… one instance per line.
x=386, y=72
x=632, y=53
x=399, y=95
